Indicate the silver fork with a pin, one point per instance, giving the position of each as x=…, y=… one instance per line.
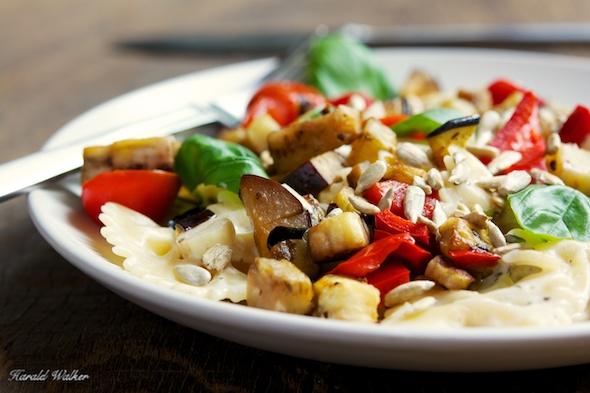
x=24, y=174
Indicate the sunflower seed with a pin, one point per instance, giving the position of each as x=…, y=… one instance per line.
x=434, y=179
x=485, y=151
x=460, y=173
x=414, y=203
x=407, y=291
x=504, y=161
x=438, y=214
x=387, y=199
x=432, y=226
x=370, y=176
x=488, y=123
x=479, y=219
x=492, y=183
x=545, y=177
x=553, y=143
x=362, y=205
x=496, y=236
x=514, y=182
x=419, y=181
x=217, y=257
x=192, y=274
x=413, y=155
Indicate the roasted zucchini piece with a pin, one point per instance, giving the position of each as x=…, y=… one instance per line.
x=455, y=132
x=572, y=165
x=374, y=138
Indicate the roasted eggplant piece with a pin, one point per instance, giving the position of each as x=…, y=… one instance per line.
x=280, y=233
x=316, y=174
x=337, y=237
x=297, y=143
x=454, y=132
x=190, y=219
x=297, y=252
x=270, y=205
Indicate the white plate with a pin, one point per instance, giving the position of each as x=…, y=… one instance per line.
x=58, y=215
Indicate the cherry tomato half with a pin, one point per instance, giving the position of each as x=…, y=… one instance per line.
x=284, y=101
x=150, y=192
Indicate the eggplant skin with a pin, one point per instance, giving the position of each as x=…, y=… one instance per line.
x=269, y=205
x=280, y=233
x=190, y=219
x=455, y=123
x=315, y=175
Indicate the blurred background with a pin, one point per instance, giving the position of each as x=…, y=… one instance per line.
x=59, y=57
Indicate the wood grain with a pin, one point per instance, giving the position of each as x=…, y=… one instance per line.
x=57, y=61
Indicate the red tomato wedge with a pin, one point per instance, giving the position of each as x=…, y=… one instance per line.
x=150, y=192
x=284, y=101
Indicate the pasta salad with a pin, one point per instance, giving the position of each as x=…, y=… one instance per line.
x=344, y=197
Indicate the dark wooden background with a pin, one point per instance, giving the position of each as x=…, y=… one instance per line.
x=57, y=60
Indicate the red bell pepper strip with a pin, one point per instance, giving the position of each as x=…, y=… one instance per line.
x=378, y=190
x=150, y=192
x=391, y=274
x=577, y=126
x=370, y=258
x=284, y=101
x=413, y=256
x=522, y=133
x=474, y=258
x=392, y=223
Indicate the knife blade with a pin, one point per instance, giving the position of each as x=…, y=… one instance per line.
x=569, y=33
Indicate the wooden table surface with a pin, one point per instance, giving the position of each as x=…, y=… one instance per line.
x=58, y=60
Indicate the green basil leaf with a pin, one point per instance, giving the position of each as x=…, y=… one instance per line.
x=205, y=160
x=339, y=64
x=425, y=122
x=552, y=212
